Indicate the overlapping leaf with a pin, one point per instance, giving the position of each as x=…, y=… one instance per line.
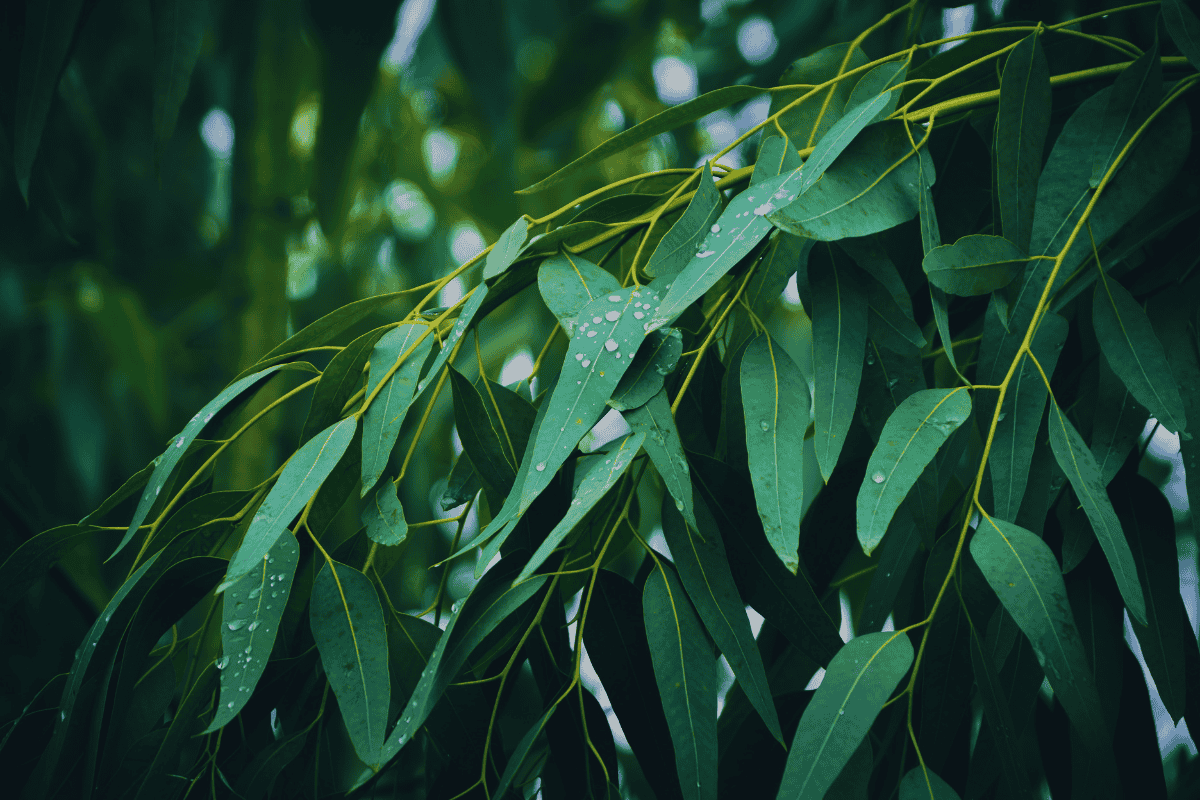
x=568, y=283
x=1118, y=423
x=1022, y=121
x=506, y=249
x=384, y=517
x=396, y=358
x=683, y=240
x=807, y=122
x=1133, y=97
x=655, y=360
x=974, y=265
x=875, y=83
x=1184, y=29
x=665, y=450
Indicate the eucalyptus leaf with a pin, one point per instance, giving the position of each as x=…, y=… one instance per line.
x=683, y=240
x=776, y=156
x=506, y=249
x=1117, y=425
x=655, y=360
x=875, y=83
x=567, y=283
x=1133, y=97
x=974, y=265
x=1022, y=121
x=384, y=517
x=397, y=358
x=808, y=121
x=920, y=783
x=179, y=28
x=1183, y=26
x=665, y=449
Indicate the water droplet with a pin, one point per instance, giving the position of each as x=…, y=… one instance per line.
x=157, y=489
x=579, y=356
x=715, y=228
x=613, y=316
x=222, y=662
x=614, y=298
x=247, y=652
x=878, y=477
x=62, y=715
x=679, y=505
x=638, y=315
x=610, y=345
x=892, y=383
x=255, y=592
x=591, y=334
x=253, y=626
x=1003, y=414
x=229, y=704
x=586, y=363
x=237, y=624
x=705, y=253
x=841, y=712
x=870, y=359
x=763, y=210
x=179, y=442
x=596, y=319
x=766, y=426
x=541, y=467
x=209, y=417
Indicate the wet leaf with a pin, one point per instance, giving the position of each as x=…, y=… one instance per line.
x=909, y=441
x=1021, y=569
x=1081, y=470
x=775, y=399
x=685, y=670
x=857, y=682
x=839, y=336
x=1133, y=97
x=665, y=449
x=252, y=610
x=775, y=157
x=402, y=349
x=1022, y=121
x=347, y=624
x=683, y=240
x=297, y=483
x=1184, y=28
x=506, y=249
x=567, y=283
x=974, y=265
x=655, y=360
x=384, y=517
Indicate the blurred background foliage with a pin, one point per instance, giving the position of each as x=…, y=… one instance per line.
x=207, y=177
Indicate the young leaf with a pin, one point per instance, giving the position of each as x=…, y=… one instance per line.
x=775, y=397
x=252, y=610
x=596, y=475
x=839, y=336
x=974, y=265
x=1135, y=354
x=406, y=345
x=1133, y=97
x=1021, y=569
x=870, y=188
x=567, y=283
x=1022, y=121
x=347, y=624
x=665, y=450
x=857, y=683
x=178, y=34
x=461, y=485
x=1021, y=416
x=166, y=463
x=1081, y=470
x=1184, y=29
x=921, y=783
x=506, y=249
x=910, y=439
x=684, y=668
x=704, y=569
x=301, y=477
x=683, y=239
x=655, y=360
x=384, y=517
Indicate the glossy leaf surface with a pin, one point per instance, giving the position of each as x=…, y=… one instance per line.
x=974, y=265
x=683, y=240
x=401, y=354
x=1022, y=121
x=568, y=283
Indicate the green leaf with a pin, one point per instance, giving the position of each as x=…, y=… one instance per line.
x=252, y=610
x=1146, y=514
x=1133, y=98
x=775, y=398
x=1020, y=417
x=840, y=135
x=407, y=346
x=167, y=462
x=857, y=683
x=662, y=122
x=33, y=558
x=997, y=714
x=1021, y=569
x=786, y=255
x=974, y=265
x=870, y=188
x=665, y=449
x=347, y=624
x=808, y=122
x=921, y=783
x=1135, y=354
x=685, y=670
x=256, y=780
x=736, y=232
x=875, y=83
x=1118, y=423
x=506, y=249
x=775, y=157
x=896, y=554
x=1022, y=121
x=158, y=778
x=50, y=29
x=340, y=380
x=178, y=28
x=384, y=517
x=297, y=483
x=461, y=485
x=132, y=484
x=1183, y=28
x=683, y=240
x=1081, y=470
x=853, y=782
x=596, y=475
x=520, y=753
x=655, y=360
x=485, y=437
x=567, y=283
x=839, y=338
x=704, y=569
x=910, y=439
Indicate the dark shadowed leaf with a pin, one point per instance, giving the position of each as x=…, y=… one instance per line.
x=1133, y=97
x=30, y=562
x=655, y=360
x=921, y=783
x=340, y=380
x=1118, y=423
x=974, y=265
x=178, y=34
x=665, y=450
x=1184, y=29
x=807, y=122
x=1022, y=120
x=397, y=358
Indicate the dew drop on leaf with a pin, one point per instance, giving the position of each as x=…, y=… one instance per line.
x=878, y=477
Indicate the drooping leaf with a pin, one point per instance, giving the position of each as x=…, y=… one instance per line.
x=1118, y=423
x=596, y=475
x=875, y=83
x=909, y=441
x=775, y=157
x=256, y=780
x=1133, y=97
x=662, y=122
x=167, y=462
x=890, y=324
x=775, y=398
x=1081, y=470
x=297, y=483
x=133, y=483
x=857, y=683
x=655, y=360
x=506, y=249
x=683, y=240
x=384, y=517
x=486, y=440
x=1021, y=569
x=839, y=336
x=461, y=485
x=931, y=237
x=567, y=283
x=840, y=135
x=974, y=265
x=807, y=122
x=665, y=450
x=1022, y=121
x=35, y=557
x=704, y=569
x=178, y=35
x=400, y=354
x=786, y=255
x=997, y=712
x=1135, y=354
x=347, y=624
x=521, y=753
x=1020, y=418
x=185, y=723
x=923, y=784
x=685, y=670
x=340, y=380
x=1184, y=29
x=253, y=608
x=871, y=187
x=896, y=555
